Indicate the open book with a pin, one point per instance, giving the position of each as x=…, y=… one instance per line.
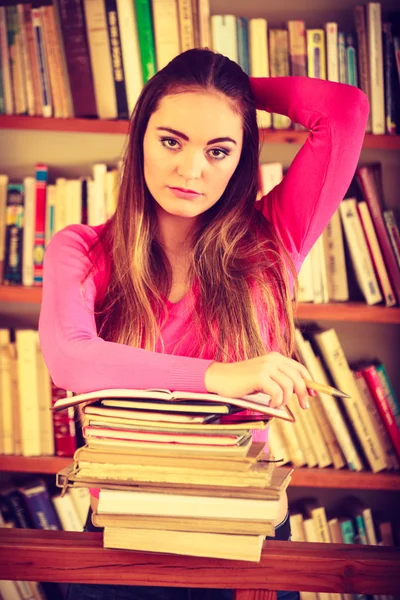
x=113, y=397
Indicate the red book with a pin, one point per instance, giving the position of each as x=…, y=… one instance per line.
x=369, y=178
x=40, y=224
x=378, y=393
x=64, y=425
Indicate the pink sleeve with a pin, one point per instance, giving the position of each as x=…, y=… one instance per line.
x=336, y=114
x=77, y=359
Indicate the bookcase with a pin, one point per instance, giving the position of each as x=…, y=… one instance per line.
x=70, y=147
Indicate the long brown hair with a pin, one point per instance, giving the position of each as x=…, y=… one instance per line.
x=239, y=267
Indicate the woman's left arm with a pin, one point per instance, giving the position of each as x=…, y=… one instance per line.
x=336, y=114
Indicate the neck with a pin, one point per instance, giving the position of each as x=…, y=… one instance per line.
x=175, y=233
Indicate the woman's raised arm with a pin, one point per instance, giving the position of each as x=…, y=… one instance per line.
x=336, y=114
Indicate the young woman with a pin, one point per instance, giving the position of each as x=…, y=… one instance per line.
x=189, y=285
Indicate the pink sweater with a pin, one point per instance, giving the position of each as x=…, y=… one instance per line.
x=300, y=207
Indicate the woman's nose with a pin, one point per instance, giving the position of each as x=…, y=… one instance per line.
x=190, y=165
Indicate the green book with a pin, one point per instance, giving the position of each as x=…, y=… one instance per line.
x=144, y=24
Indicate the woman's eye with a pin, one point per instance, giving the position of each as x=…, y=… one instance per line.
x=169, y=143
x=218, y=154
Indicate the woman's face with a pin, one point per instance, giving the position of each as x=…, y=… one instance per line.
x=192, y=147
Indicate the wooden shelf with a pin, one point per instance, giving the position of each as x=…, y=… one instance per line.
x=346, y=311
x=383, y=142
x=304, y=477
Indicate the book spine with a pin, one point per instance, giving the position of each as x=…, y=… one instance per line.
x=50, y=51
x=166, y=31
x=316, y=53
x=30, y=99
x=33, y=60
x=334, y=356
x=116, y=58
x=259, y=61
x=14, y=234
x=279, y=67
x=331, y=34
x=389, y=393
x=393, y=232
x=376, y=254
x=335, y=263
x=342, y=57
x=15, y=53
x=40, y=223
x=242, y=25
x=19, y=512
x=146, y=39
x=374, y=27
x=64, y=425
x=366, y=179
x=362, y=46
x=40, y=507
x=351, y=57
x=204, y=23
x=29, y=231
x=387, y=445
x=47, y=108
x=388, y=73
x=378, y=394
x=186, y=24
x=77, y=57
x=5, y=64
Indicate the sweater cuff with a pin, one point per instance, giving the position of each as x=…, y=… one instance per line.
x=187, y=375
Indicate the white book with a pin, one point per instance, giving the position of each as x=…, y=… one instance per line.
x=375, y=54
x=335, y=262
x=271, y=174
x=166, y=31
x=29, y=230
x=130, y=51
x=317, y=263
x=259, y=61
x=74, y=201
x=67, y=513
x=97, y=197
x=27, y=388
x=112, y=189
x=45, y=402
x=224, y=37
x=359, y=251
x=100, y=58
x=343, y=378
x=118, y=502
x=60, y=213
x=305, y=291
x=276, y=444
x=81, y=499
x=332, y=57
x=6, y=399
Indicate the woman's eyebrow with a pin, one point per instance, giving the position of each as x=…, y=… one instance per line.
x=185, y=137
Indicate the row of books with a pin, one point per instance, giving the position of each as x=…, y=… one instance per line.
x=362, y=432
x=352, y=522
x=92, y=58
x=30, y=505
x=358, y=254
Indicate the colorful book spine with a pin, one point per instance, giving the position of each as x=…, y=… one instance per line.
x=389, y=75
x=43, y=67
x=64, y=425
x=116, y=58
x=342, y=57
x=146, y=39
x=351, y=58
x=40, y=223
x=389, y=393
x=40, y=507
x=14, y=234
x=316, y=53
x=242, y=25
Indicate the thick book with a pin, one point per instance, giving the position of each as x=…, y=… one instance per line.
x=257, y=402
x=212, y=545
x=157, y=415
x=208, y=525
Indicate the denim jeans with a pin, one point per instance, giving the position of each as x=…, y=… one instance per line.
x=86, y=591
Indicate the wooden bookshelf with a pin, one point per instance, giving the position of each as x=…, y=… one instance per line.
x=303, y=477
x=345, y=311
x=382, y=142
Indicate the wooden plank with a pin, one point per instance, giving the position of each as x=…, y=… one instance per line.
x=61, y=556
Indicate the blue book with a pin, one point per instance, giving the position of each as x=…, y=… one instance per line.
x=40, y=506
x=14, y=234
x=242, y=30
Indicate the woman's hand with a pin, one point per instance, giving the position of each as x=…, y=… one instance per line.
x=273, y=374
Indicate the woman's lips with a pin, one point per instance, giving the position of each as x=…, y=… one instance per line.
x=186, y=195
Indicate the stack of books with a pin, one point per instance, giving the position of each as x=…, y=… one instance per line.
x=178, y=472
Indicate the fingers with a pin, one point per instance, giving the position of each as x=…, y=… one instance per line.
x=299, y=386
x=281, y=389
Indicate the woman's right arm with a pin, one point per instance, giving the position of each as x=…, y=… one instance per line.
x=77, y=359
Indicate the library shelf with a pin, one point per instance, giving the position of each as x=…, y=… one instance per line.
x=344, y=311
x=302, y=477
x=383, y=142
